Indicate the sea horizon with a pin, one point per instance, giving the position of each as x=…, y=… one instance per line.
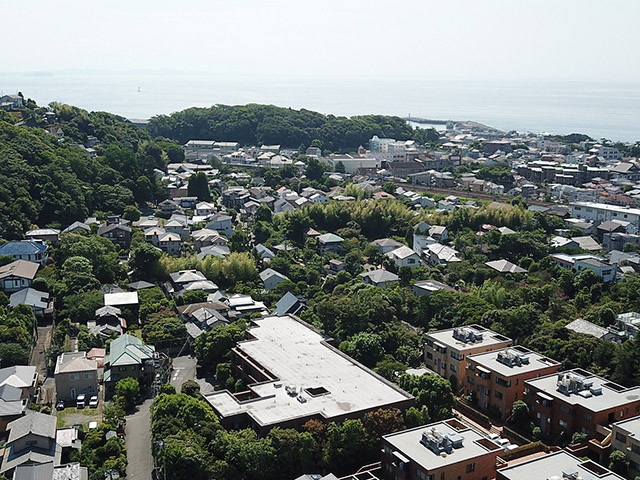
x=599, y=109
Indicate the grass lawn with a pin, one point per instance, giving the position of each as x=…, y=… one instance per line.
x=72, y=416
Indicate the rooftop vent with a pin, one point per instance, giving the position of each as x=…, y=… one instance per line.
x=512, y=358
x=467, y=335
x=569, y=383
x=438, y=443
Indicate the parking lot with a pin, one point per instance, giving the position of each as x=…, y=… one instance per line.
x=79, y=416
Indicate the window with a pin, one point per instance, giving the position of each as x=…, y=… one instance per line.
x=502, y=382
x=621, y=437
x=471, y=467
x=31, y=443
x=452, y=367
x=455, y=355
x=429, y=355
x=564, y=425
x=566, y=410
x=74, y=376
x=88, y=376
x=498, y=394
x=586, y=416
x=422, y=475
x=122, y=369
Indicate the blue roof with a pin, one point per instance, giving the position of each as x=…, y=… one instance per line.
x=22, y=247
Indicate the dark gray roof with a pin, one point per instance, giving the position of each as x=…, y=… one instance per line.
x=35, y=423
x=30, y=297
x=140, y=285
x=43, y=471
x=289, y=303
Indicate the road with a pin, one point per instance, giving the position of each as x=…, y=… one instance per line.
x=138, y=439
x=184, y=368
x=39, y=355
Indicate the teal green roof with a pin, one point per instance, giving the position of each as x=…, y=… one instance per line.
x=128, y=350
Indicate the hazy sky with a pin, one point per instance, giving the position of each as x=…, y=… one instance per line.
x=447, y=39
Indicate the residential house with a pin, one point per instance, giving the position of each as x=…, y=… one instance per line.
x=214, y=250
x=334, y=266
x=178, y=225
x=264, y=252
x=17, y=387
x=504, y=266
x=128, y=357
x=207, y=238
x=32, y=441
x=427, y=287
x=49, y=471
x=379, y=278
x=578, y=401
x=404, y=257
x=25, y=250
x=242, y=305
x=421, y=237
x=446, y=351
x=40, y=302
x=11, y=102
x=75, y=374
x=439, y=233
x=442, y=450
x=560, y=465
x=182, y=279
x=438, y=254
x=281, y=206
x=221, y=223
x=108, y=322
x=579, y=325
x=122, y=300
x=496, y=378
x=329, y=242
x=271, y=279
x=116, y=231
x=42, y=235
x=168, y=206
x=386, y=245
x=77, y=227
x=289, y=304
x=18, y=275
x=202, y=317
x=205, y=209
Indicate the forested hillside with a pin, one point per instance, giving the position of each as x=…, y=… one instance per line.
x=47, y=182
x=254, y=124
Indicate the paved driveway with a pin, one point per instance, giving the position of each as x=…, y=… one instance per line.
x=184, y=368
x=138, y=439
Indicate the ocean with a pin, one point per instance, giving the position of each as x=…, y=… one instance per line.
x=601, y=110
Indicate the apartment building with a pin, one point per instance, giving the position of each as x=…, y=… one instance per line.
x=560, y=465
x=603, y=212
x=497, y=377
x=443, y=450
x=446, y=351
x=578, y=401
x=625, y=436
x=293, y=374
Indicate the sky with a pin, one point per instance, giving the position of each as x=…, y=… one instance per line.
x=447, y=39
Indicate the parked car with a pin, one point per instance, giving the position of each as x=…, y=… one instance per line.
x=93, y=425
x=80, y=400
x=60, y=405
x=93, y=402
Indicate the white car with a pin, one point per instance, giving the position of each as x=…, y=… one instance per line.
x=80, y=400
x=93, y=402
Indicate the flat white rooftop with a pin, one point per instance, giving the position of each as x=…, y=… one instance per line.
x=490, y=361
x=631, y=426
x=121, y=298
x=298, y=355
x=489, y=338
x=613, y=395
x=553, y=465
x=474, y=444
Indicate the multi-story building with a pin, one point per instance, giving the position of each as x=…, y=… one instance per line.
x=603, y=212
x=27, y=250
x=74, y=375
x=625, y=436
x=444, y=450
x=17, y=275
x=578, y=401
x=293, y=374
x=560, y=465
x=498, y=377
x=446, y=351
